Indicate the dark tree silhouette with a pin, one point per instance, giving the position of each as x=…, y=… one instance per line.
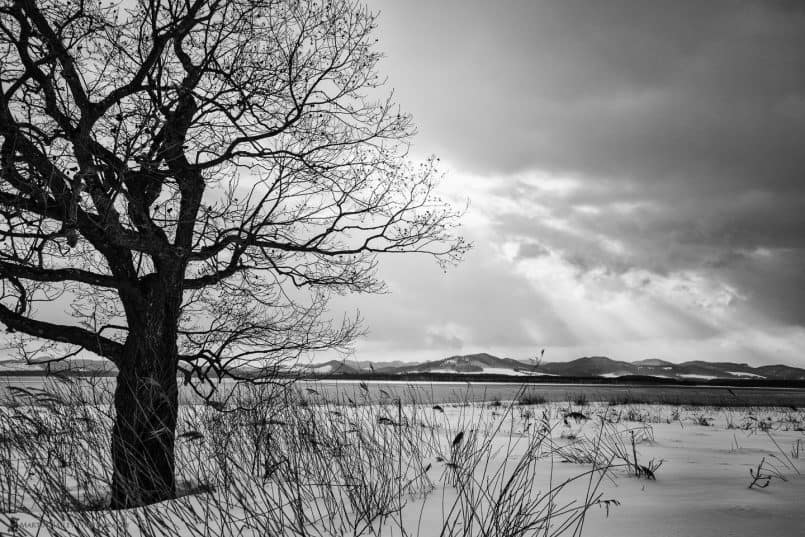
x=191, y=180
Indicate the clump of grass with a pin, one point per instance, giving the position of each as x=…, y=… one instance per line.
x=635, y=415
x=730, y=420
x=531, y=397
x=753, y=424
x=640, y=470
x=701, y=419
x=623, y=399
x=575, y=417
x=578, y=398
x=763, y=475
x=791, y=420
x=617, y=447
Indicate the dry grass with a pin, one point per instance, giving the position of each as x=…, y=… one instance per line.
x=613, y=446
x=274, y=461
x=271, y=461
x=766, y=471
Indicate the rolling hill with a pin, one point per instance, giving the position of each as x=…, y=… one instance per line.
x=588, y=366
x=488, y=364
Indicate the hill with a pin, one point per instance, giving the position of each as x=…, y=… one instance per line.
x=488, y=364
x=588, y=366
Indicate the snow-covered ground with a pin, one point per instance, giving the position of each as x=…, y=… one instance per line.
x=746, y=375
x=701, y=489
x=483, y=370
x=443, y=469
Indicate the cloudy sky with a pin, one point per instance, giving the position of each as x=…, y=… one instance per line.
x=635, y=172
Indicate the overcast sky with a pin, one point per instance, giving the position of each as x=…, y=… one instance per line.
x=635, y=172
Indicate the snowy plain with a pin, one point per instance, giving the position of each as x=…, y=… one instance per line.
x=494, y=467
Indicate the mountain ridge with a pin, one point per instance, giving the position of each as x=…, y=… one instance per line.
x=586, y=366
x=488, y=364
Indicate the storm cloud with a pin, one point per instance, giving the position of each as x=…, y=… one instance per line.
x=635, y=170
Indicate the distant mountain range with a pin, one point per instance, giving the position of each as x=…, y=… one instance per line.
x=487, y=364
x=601, y=366
x=594, y=366
x=472, y=363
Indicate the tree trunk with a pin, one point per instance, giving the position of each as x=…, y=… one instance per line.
x=146, y=409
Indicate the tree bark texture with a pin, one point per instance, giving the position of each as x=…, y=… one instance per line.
x=146, y=405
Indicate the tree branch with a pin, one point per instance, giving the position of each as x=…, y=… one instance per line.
x=72, y=335
x=40, y=274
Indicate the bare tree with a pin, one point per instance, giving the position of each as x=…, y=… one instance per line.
x=191, y=180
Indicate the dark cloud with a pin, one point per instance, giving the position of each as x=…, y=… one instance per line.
x=773, y=281
x=621, y=89
x=639, y=156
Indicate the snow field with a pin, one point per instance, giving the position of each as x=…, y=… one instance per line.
x=276, y=463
